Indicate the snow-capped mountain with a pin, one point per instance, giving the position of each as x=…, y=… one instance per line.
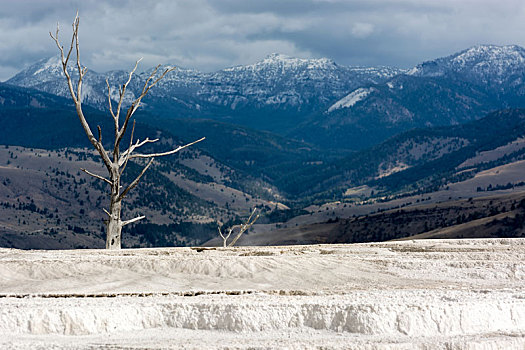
x=277, y=81
x=445, y=91
x=285, y=82
x=46, y=75
x=482, y=64
x=490, y=66
x=318, y=100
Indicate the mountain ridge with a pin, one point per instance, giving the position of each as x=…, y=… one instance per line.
x=274, y=65
x=297, y=97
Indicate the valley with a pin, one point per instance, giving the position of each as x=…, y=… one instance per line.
x=47, y=202
x=326, y=153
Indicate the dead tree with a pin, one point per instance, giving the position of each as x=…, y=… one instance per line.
x=114, y=161
x=242, y=228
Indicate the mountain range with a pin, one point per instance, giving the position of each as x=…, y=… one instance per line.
x=285, y=134
x=267, y=95
x=317, y=100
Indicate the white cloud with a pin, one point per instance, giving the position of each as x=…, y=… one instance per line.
x=362, y=30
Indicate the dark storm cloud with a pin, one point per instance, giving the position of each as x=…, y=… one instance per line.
x=382, y=32
x=296, y=7
x=212, y=34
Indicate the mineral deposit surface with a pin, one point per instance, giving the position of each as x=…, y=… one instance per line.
x=429, y=294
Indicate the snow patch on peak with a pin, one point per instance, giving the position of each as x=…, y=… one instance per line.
x=479, y=60
x=490, y=50
x=352, y=98
x=414, y=71
x=276, y=57
x=52, y=62
x=498, y=54
x=288, y=62
x=321, y=63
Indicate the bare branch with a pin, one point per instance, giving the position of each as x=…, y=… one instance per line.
x=140, y=144
x=225, y=238
x=76, y=95
x=65, y=60
x=81, y=71
x=99, y=134
x=136, y=181
x=135, y=104
x=242, y=228
x=124, y=223
x=245, y=227
x=109, y=101
x=147, y=88
x=123, y=90
x=130, y=145
x=165, y=153
x=95, y=175
x=76, y=22
x=107, y=212
x=132, y=148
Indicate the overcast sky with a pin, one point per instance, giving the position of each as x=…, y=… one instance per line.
x=213, y=34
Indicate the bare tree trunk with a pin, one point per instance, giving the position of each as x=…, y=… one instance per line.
x=114, y=228
x=115, y=166
x=114, y=223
